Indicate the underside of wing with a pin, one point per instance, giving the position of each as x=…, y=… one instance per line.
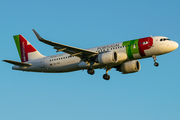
x=82, y=53
x=17, y=63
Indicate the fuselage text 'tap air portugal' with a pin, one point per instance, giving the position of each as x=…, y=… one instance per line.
x=121, y=56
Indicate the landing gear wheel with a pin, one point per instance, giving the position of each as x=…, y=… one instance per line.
x=106, y=76
x=156, y=64
x=90, y=71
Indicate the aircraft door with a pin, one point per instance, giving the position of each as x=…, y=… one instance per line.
x=42, y=63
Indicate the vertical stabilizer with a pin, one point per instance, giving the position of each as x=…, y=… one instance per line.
x=26, y=51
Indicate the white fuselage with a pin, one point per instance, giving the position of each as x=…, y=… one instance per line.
x=67, y=63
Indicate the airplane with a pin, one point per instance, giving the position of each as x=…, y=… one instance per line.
x=121, y=56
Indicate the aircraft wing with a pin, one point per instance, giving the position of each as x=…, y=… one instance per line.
x=21, y=64
x=82, y=53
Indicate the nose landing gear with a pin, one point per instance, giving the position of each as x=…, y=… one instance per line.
x=155, y=63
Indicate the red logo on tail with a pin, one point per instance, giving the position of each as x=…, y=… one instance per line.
x=25, y=48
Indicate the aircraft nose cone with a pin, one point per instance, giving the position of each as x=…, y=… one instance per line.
x=176, y=45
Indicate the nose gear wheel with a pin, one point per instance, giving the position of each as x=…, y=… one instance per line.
x=155, y=63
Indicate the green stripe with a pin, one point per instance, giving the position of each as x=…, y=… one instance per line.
x=131, y=48
x=17, y=41
x=134, y=48
x=128, y=49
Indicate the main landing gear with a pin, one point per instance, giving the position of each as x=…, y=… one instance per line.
x=90, y=71
x=155, y=63
x=106, y=76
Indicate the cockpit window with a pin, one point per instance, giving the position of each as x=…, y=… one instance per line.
x=164, y=39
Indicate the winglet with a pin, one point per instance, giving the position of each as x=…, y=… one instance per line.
x=37, y=35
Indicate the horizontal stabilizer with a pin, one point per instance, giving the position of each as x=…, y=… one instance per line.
x=17, y=63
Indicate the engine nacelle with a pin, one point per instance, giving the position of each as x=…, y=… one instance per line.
x=121, y=56
x=107, y=58
x=111, y=57
x=130, y=67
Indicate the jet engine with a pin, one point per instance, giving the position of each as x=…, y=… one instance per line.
x=107, y=58
x=129, y=67
x=111, y=57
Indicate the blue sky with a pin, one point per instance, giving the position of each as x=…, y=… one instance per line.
x=152, y=93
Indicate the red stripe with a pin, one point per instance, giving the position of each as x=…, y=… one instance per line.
x=143, y=47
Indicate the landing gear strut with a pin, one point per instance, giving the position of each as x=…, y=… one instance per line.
x=106, y=76
x=90, y=70
x=155, y=63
